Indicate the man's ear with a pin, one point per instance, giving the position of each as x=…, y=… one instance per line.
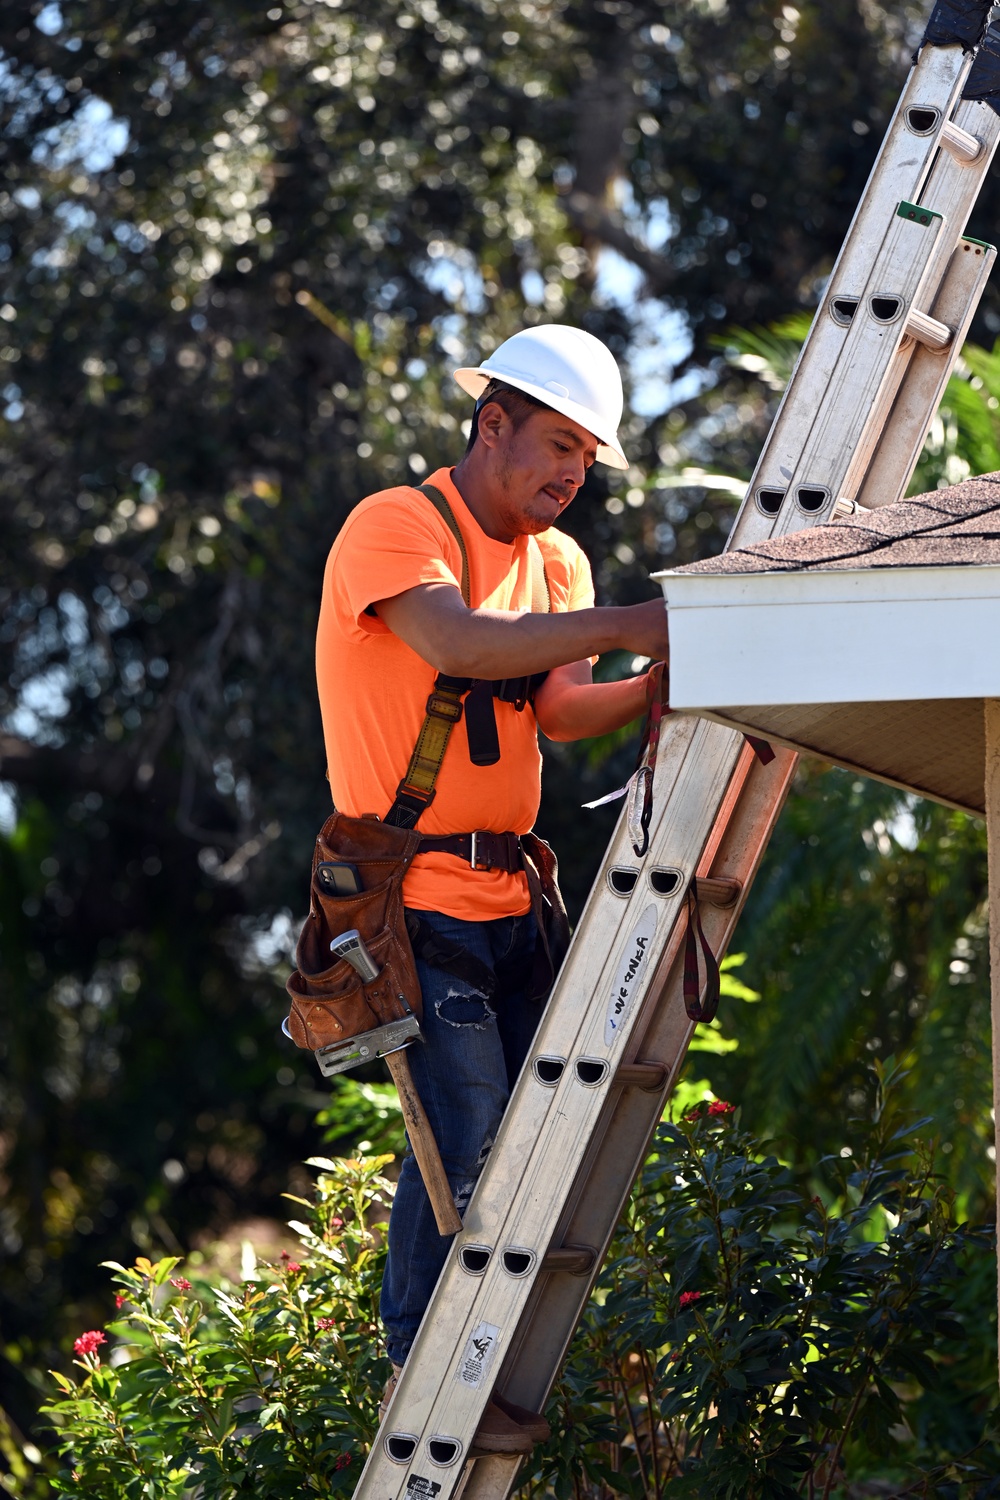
x=493, y=423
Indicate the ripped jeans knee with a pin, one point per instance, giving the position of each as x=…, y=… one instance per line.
x=464, y=1006
x=463, y=1192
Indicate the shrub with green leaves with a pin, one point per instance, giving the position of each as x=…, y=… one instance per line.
x=268, y=1388
x=750, y=1342
x=747, y=1340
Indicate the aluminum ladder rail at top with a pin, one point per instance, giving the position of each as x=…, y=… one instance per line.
x=878, y=299
x=576, y=1130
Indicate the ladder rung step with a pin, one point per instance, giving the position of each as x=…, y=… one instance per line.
x=961, y=144
x=642, y=1075
x=927, y=330
x=577, y=1259
x=717, y=890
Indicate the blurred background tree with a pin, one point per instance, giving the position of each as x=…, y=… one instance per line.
x=240, y=252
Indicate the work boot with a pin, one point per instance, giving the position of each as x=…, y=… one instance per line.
x=390, y=1386
x=499, y=1433
x=532, y=1421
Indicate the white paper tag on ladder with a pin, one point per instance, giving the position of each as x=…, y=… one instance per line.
x=635, y=790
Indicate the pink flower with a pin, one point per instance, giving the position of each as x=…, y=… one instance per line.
x=181, y=1283
x=688, y=1299
x=337, y=1223
x=293, y=1268
x=89, y=1343
x=720, y=1107
x=119, y=1299
x=325, y=1324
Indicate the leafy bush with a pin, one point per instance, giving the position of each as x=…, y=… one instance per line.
x=746, y=1339
x=270, y=1388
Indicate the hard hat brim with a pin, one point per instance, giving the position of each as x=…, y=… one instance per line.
x=609, y=450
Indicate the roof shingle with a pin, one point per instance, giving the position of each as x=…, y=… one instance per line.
x=958, y=525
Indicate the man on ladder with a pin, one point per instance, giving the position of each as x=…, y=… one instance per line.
x=467, y=586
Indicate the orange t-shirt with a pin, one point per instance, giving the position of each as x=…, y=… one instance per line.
x=373, y=688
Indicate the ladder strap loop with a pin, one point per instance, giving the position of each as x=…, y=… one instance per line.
x=694, y=939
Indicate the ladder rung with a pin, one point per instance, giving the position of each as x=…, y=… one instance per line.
x=642, y=1075
x=577, y=1259
x=963, y=146
x=927, y=330
x=717, y=890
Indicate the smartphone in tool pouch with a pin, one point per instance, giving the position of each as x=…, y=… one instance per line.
x=338, y=878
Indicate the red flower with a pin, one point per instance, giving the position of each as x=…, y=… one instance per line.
x=689, y=1298
x=89, y=1343
x=181, y=1283
x=293, y=1268
x=720, y=1107
x=119, y=1299
x=343, y=1461
x=676, y=1354
x=325, y=1324
x=285, y=1255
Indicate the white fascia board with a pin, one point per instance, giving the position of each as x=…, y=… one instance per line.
x=841, y=636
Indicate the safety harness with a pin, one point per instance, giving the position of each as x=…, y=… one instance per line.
x=445, y=707
x=449, y=699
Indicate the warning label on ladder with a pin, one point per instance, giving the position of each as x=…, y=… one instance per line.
x=477, y=1355
x=419, y=1488
x=630, y=971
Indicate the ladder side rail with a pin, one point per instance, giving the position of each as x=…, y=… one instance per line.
x=899, y=276
x=625, y=1131
x=928, y=371
x=611, y=917
x=663, y=1032
x=519, y=1198
x=901, y=168
x=952, y=189
x=919, y=393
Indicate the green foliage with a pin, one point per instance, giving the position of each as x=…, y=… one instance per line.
x=367, y=1115
x=746, y=1339
x=866, y=935
x=269, y=1388
x=749, y=1340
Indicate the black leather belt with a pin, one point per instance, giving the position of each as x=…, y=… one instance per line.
x=482, y=850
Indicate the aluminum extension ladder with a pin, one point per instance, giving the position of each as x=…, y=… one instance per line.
x=614, y=1034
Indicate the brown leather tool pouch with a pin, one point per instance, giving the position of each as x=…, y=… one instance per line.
x=330, y=1001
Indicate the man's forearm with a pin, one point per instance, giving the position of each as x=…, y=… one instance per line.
x=462, y=642
x=578, y=711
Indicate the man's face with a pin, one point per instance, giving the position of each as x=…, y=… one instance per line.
x=539, y=468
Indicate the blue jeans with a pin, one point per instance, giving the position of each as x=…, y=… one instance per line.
x=464, y=1072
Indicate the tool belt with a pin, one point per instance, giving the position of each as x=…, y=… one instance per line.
x=330, y=1002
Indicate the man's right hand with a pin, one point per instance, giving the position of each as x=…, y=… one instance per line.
x=645, y=629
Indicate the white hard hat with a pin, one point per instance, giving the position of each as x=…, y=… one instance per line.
x=566, y=369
